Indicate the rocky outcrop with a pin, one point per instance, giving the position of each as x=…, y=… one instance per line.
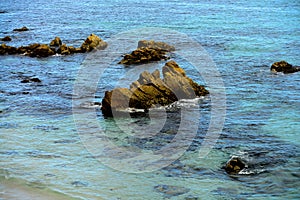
x=93, y=42
x=24, y=28
x=6, y=39
x=147, y=51
x=150, y=90
x=55, y=47
x=285, y=67
x=234, y=165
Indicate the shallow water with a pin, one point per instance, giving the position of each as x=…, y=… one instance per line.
x=41, y=144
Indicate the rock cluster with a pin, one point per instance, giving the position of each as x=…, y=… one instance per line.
x=150, y=90
x=56, y=47
x=234, y=165
x=285, y=67
x=147, y=51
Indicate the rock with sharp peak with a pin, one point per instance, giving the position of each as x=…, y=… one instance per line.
x=151, y=90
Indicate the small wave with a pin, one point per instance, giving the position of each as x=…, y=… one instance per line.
x=251, y=171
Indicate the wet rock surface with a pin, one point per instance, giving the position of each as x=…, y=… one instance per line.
x=147, y=51
x=285, y=67
x=150, y=90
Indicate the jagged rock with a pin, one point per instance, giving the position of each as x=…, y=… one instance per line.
x=144, y=55
x=155, y=45
x=24, y=28
x=5, y=49
x=285, y=67
x=93, y=42
x=150, y=90
x=234, y=165
x=56, y=42
x=43, y=50
x=6, y=39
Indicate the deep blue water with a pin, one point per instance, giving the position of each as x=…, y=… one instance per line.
x=40, y=142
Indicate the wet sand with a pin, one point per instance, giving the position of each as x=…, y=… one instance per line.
x=19, y=190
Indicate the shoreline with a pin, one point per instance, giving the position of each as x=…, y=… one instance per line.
x=15, y=189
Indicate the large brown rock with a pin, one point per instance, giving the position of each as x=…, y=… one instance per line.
x=151, y=90
x=114, y=100
x=93, y=42
x=285, y=67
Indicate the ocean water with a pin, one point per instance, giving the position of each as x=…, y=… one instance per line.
x=41, y=144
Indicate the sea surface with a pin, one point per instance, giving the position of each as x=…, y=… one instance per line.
x=40, y=142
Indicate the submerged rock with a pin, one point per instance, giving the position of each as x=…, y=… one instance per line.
x=34, y=80
x=155, y=45
x=93, y=42
x=234, y=165
x=6, y=39
x=24, y=28
x=285, y=67
x=150, y=90
x=171, y=191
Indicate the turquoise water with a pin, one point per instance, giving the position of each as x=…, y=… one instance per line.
x=40, y=142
